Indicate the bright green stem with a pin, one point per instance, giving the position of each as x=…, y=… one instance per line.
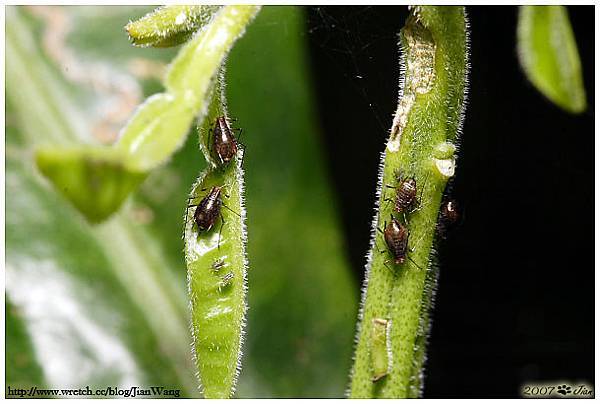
x=216, y=263
x=156, y=131
x=422, y=144
x=548, y=54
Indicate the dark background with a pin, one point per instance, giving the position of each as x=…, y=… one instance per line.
x=515, y=301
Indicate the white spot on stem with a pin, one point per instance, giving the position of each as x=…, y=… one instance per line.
x=445, y=167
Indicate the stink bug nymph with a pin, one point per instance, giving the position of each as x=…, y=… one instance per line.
x=224, y=143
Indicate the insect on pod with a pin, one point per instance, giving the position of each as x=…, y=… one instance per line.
x=406, y=195
x=209, y=209
x=449, y=217
x=226, y=280
x=224, y=143
x=218, y=264
x=396, y=238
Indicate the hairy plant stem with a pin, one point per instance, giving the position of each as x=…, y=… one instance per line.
x=422, y=145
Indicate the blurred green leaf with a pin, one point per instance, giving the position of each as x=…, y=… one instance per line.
x=95, y=180
x=100, y=304
x=548, y=54
x=126, y=278
x=22, y=369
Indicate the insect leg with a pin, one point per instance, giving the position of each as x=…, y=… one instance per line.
x=411, y=260
x=388, y=267
x=220, y=230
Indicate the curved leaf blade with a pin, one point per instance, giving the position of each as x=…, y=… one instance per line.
x=95, y=180
x=159, y=126
x=549, y=57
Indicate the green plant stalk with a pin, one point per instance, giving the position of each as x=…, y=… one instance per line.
x=216, y=263
x=156, y=131
x=548, y=55
x=422, y=145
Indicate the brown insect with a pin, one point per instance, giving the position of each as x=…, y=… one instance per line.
x=406, y=195
x=396, y=237
x=224, y=143
x=209, y=209
x=449, y=217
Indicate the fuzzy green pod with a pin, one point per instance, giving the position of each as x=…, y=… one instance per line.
x=169, y=25
x=216, y=264
x=422, y=146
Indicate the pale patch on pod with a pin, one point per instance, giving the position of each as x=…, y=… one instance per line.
x=419, y=77
x=443, y=157
x=380, y=354
x=445, y=167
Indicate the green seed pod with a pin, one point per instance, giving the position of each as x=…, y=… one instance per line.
x=169, y=25
x=216, y=262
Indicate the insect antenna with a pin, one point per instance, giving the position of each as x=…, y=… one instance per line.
x=423, y=189
x=231, y=210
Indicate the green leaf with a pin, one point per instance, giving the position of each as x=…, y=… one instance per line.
x=22, y=368
x=421, y=146
x=192, y=73
x=95, y=180
x=158, y=128
x=548, y=55
x=169, y=25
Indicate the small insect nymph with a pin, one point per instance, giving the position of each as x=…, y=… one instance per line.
x=208, y=210
x=449, y=217
x=406, y=195
x=224, y=143
x=396, y=238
